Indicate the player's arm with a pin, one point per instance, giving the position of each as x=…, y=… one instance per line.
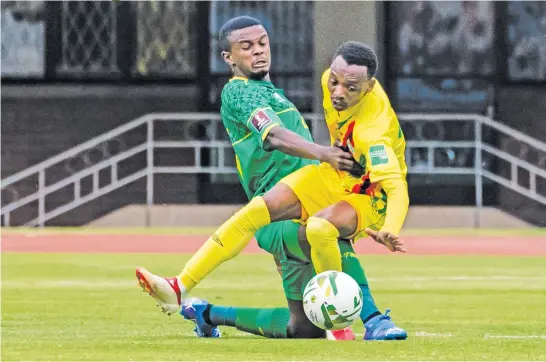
x=252, y=106
x=286, y=141
x=384, y=168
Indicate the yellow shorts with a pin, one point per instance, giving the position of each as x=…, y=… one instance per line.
x=320, y=186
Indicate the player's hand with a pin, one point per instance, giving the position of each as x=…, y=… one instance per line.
x=356, y=170
x=391, y=241
x=338, y=158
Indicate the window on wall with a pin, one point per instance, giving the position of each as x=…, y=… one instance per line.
x=23, y=39
x=526, y=41
x=441, y=55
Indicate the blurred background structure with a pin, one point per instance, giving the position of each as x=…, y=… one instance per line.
x=467, y=78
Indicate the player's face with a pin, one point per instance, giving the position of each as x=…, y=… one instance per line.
x=250, y=54
x=347, y=83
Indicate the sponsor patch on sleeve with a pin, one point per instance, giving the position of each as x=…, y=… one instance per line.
x=378, y=155
x=261, y=120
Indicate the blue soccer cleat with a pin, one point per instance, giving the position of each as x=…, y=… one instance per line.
x=192, y=310
x=381, y=328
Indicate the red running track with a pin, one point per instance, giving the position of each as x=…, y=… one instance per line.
x=416, y=245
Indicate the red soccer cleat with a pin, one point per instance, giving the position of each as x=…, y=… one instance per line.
x=345, y=334
x=165, y=291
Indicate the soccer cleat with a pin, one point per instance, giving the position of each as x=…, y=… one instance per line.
x=165, y=291
x=345, y=334
x=381, y=328
x=193, y=309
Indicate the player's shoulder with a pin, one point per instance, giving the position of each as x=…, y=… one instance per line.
x=235, y=86
x=381, y=99
x=377, y=117
x=239, y=91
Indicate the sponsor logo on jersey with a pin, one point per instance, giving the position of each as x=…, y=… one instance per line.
x=378, y=155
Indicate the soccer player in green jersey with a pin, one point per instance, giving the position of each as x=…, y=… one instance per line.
x=272, y=140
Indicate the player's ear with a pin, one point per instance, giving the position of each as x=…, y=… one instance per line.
x=371, y=83
x=227, y=58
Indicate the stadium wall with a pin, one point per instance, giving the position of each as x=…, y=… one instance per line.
x=214, y=215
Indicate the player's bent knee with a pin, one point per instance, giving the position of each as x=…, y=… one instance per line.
x=304, y=329
x=321, y=233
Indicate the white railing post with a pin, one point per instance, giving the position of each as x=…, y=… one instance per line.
x=149, y=172
x=478, y=182
x=41, y=197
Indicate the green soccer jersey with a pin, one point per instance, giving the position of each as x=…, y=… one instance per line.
x=250, y=109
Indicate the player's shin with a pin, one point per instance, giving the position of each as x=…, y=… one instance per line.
x=228, y=241
x=268, y=322
x=352, y=267
x=323, y=239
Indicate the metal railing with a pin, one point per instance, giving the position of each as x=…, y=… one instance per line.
x=469, y=154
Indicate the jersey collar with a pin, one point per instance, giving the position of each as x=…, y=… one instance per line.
x=246, y=80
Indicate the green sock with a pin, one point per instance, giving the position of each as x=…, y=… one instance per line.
x=352, y=266
x=268, y=322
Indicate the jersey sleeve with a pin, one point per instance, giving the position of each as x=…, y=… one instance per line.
x=384, y=168
x=250, y=106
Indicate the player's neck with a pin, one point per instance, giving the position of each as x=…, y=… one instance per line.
x=238, y=75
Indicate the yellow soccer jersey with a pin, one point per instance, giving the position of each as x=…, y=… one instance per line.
x=370, y=131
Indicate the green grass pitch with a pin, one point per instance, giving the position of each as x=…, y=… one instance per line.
x=89, y=307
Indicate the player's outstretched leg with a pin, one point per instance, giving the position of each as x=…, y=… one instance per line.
x=267, y=322
x=279, y=203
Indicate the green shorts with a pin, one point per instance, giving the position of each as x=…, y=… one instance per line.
x=280, y=239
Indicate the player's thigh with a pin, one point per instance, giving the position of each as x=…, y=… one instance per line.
x=370, y=212
x=299, y=326
x=312, y=186
x=343, y=216
x=282, y=203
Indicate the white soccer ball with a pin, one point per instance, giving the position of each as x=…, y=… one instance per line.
x=332, y=300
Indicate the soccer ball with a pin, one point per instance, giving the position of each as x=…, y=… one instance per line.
x=332, y=300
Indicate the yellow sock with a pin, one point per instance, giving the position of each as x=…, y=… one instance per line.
x=322, y=237
x=229, y=240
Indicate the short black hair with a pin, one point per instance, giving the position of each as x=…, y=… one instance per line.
x=239, y=22
x=359, y=54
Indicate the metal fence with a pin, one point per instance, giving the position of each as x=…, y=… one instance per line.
x=107, y=174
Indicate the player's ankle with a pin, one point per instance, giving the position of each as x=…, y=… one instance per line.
x=373, y=315
x=206, y=314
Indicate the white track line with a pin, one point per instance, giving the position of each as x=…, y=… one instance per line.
x=426, y=334
x=487, y=336
x=461, y=278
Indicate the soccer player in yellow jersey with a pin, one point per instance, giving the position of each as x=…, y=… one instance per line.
x=359, y=116
x=331, y=203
